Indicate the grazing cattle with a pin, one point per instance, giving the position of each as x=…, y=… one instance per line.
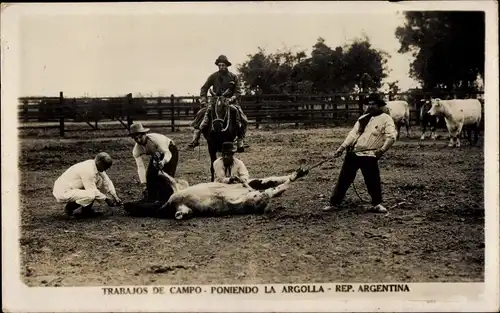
x=459, y=114
x=427, y=120
x=399, y=110
x=217, y=199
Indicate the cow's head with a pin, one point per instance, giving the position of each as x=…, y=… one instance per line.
x=435, y=107
x=183, y=212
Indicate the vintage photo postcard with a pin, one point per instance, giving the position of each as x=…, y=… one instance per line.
x=250, y=157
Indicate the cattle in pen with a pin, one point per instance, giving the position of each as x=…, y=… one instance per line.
x=399, y=110
x=459, y=114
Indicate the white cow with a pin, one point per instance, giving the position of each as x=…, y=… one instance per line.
x=458, y=114
x=215, y=199
x=399, y=110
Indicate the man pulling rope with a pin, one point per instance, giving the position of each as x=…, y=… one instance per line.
x=372, y=135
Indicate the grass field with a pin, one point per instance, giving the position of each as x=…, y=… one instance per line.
x=436, y=234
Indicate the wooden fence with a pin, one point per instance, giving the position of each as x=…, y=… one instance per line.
x=179, y=111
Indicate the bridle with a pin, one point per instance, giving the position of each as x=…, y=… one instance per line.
x=217, y=119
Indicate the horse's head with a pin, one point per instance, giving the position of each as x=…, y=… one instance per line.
x=220, y=109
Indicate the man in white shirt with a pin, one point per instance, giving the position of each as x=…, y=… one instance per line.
x=228, y=169
x=151, y=144
x=372, y=135
x=79, y=186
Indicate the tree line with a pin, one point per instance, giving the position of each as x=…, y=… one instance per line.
x=448, y=50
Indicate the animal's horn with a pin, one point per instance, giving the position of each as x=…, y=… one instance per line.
x=211, y=92
x=226, y=92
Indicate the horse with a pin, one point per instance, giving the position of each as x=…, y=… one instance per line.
x=222, y=127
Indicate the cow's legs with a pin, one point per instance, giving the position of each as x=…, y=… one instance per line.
x=476, y=134
x=269, y=182
x=407, y=124
x=433, y=134
x=433, y=128
x=424, y=129
x=278, y=190
x=457, y=135
x=213, y=156
x=450, y=144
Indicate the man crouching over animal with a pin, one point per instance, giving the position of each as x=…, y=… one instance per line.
x=153, y=145
x=372, y=135
x=219, y=199
x=79, y=185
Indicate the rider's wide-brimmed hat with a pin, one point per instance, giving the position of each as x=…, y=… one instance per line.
x=228, y=147
x=222, y=59
x=376, y=99
x=137, y=128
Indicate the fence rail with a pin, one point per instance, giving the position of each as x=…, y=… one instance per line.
x=179, y=110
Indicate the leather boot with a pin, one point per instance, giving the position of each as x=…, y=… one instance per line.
x=240, y=144
x=196, y=139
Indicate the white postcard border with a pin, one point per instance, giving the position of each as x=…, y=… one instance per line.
x=428, y=297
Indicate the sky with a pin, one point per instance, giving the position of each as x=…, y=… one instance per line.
x=163, y=54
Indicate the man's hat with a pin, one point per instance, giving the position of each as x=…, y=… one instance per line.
x=228, y=147
x=137, y=129
x=222, y=59
x=375, y=97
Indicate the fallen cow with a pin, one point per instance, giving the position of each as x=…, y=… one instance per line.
x=215, y=199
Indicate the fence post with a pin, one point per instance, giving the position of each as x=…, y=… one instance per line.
x=334, y=107
x=194, y=109
x=296, y=108
x=160, y=111
x=172, y=112
x=346, y=104
x=61, y=114
x=25, y=110
x=129, y=108
x=361, y=103
x=257, y=111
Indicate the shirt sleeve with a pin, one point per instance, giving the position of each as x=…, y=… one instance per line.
x=352, y=136
x=219, y=174
x=108, y=184
x=204, y=89
x=237, y=87
x=141, y=170
x=164, y=147
x=89, y=183
x=390, y=129
x=243, y=172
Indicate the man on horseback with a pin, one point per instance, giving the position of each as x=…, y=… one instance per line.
x=221, y=81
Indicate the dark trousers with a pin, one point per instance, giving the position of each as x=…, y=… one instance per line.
x=157, y=188
x=371, y=174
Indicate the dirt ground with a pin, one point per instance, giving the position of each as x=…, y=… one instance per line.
x=435, y=234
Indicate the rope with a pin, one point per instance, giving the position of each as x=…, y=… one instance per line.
x=357, y=194
x=333, y=158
